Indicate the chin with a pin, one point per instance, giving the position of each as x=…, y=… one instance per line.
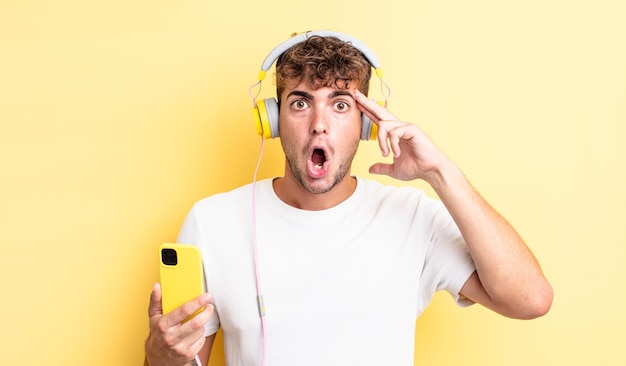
x=318, y=187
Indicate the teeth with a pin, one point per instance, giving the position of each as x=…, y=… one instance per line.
x=318, y=166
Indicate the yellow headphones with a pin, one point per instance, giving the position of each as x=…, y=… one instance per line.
x=266, y=111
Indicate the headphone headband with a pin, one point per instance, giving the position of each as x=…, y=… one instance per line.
x=281, y=48
x=266, y=112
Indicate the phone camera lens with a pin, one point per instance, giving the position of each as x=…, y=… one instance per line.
x=169, y=257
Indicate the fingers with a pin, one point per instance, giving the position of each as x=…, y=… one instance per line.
x=381, y=168
x=391, y=134
x=413, y=152
x=172, y=339
x=185, y=339
x=186, y=310
x=178, y=336
x=186, y=319
x=155, y=307
x=169, y=347
x=371, y=109
x=386, y=122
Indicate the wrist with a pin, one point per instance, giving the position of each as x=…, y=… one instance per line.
x=441, y=175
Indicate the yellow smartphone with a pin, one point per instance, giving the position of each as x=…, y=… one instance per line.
x=181, y=274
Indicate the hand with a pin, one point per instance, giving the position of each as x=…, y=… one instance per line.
x=414, y=154
x=172, y=342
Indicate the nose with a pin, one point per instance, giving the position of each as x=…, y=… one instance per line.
x=319, y=122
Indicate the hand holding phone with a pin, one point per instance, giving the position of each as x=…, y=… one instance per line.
x=181, y=275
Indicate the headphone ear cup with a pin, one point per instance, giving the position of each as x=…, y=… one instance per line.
x=266, y=118
x=369, y=130
x=271, y=105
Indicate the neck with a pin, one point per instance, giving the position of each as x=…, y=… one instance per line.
x=290, y=191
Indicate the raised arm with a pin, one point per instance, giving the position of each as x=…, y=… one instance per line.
x=508, y=278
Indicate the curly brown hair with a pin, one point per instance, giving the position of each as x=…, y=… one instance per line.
x=323, y=61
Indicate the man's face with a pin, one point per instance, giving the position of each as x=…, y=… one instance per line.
x=319, y=131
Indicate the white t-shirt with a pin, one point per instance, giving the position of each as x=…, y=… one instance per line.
x=341, y=286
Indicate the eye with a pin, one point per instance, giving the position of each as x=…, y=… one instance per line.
x=342, y=106
x=299, y=104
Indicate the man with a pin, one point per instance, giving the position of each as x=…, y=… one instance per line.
x=346, y=264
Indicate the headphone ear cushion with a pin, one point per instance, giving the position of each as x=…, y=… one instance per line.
x=266, y=118
x=369, y=130
x=271, y=106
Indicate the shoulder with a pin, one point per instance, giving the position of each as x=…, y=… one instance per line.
x=237, y=197
x=383, y=192
x=403, y=200
x=218, y=211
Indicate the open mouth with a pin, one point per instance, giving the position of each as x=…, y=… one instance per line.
x=318, y=158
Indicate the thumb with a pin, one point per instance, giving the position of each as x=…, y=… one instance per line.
x=381, y=168
x=155, y=307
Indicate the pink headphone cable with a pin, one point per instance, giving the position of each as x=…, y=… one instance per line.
x=196, y=360
x=256, y=254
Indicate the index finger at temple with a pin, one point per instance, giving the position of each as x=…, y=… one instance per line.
x=372, y=109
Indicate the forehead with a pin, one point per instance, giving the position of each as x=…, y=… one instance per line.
x=304, y=85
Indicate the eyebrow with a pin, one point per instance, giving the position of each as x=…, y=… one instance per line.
x=334, y=94
x=300, y=93
x=338, y=93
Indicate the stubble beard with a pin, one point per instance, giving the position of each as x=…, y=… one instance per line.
x=301, y=175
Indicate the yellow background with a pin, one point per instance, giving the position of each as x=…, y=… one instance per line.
x=115, y=116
